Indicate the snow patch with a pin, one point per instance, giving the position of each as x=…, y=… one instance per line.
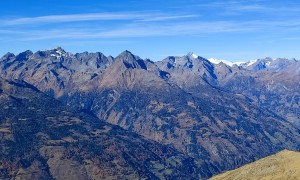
x=251, y=62
x=229, y=63
x=239, y=63
x=194, y=55
x=55, y=55
x=58, y=53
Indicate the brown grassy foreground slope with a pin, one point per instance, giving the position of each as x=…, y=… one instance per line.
x=283, y=165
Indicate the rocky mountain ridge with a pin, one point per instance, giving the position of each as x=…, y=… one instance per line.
x=258, y=64
x=221, y=115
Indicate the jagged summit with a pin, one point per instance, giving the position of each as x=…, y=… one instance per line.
x=24, y=55
x=7, y=56
x=127, y=55
x=130, y=60
x=60, y=52
x=218, y=61
x=201, y=109
x=268, y=64
x=58, y=48
x=192, y=55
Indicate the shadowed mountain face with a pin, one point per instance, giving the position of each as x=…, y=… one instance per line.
x=220, y=115
x=42, y=139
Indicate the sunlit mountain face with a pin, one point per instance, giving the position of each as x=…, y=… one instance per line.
x=126, y=117
x=281, y=165
x=149, y=89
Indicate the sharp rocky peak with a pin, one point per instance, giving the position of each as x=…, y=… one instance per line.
x=189, y=60
x=130, y=60
x=24, y=55
x=268, y=64
x=192, y=55
x=58, y=49
x=127, y=55
x=7, y=56
x=89, y=55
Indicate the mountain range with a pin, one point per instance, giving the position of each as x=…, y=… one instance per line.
x=209, y=115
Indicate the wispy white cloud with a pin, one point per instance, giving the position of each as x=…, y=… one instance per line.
x=74, y=18
x=163, y=18
x=142, y=29
x=139, y=16
x=237, y=7
x=248, y=7
x=135, y=30
x=140, y=24
x=234, y=5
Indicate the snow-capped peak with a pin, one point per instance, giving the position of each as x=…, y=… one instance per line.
x=193, y=55
x=214, y=60
x=59, y=52
x=251, y=62
x=229, y=63
x=268, y=63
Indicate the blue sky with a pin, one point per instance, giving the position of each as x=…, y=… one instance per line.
x=233, y=30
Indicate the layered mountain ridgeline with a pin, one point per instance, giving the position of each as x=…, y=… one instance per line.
x=283, y=165
x=207, y=111
x=43, y=139
x=271, y=83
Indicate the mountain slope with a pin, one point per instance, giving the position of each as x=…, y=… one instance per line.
x=185, y=102
x=162, y=110
x=43, y=139
x=275, y=90
x=283, y=165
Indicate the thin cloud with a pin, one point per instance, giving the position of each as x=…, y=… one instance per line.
x=163, y=29
x=74, y=18
x=142, y=24
x=249, y=8
x=252, y=6
x=92, y=17
x=163, y=18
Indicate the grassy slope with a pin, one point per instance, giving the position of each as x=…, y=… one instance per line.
x=283, y=165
